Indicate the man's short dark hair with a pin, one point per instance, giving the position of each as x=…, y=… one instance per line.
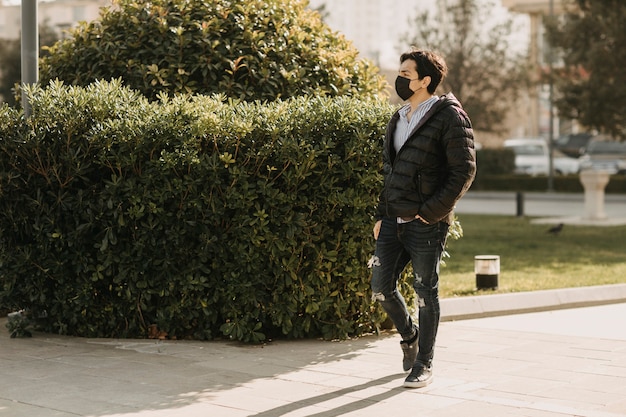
x=429, y=64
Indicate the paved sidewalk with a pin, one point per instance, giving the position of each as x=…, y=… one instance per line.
x=548, y=364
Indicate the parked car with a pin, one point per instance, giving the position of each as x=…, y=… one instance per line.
x=574, y=144
x=532, y=157
x=605, y=155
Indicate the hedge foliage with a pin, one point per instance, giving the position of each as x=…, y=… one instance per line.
x=561, y=183
x=495, y=161
x=198, y=216
x=245, y=49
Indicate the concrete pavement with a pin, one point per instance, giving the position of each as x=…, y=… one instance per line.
x=545, y=364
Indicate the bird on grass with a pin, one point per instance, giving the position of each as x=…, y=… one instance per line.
x=555, y=230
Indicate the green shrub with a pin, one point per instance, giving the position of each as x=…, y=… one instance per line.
x=490, y=161
x=195, y=215
x=561, y=183
x=245, y=49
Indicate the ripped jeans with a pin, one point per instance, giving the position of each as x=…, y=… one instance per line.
x=423, y=245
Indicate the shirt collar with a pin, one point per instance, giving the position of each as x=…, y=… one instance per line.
x=407, y=107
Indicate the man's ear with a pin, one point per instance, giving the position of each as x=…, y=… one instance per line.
x=427, y=79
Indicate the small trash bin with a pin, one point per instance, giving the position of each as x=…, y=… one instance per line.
x=487, y=270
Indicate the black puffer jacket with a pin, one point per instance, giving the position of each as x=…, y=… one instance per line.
x=433, y=169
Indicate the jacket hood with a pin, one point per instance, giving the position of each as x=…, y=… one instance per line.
x=448, y=99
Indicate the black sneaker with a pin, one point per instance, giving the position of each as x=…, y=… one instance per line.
x=420, y=376
x=409, y=350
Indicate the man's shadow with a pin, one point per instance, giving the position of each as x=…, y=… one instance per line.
x=357, y=404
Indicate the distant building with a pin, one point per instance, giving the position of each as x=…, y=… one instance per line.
x=538, y=105
x=58, y=14
x=375, y=27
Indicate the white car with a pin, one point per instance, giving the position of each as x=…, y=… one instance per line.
x=532, y=158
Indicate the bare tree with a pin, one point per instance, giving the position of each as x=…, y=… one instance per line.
x=485, y=72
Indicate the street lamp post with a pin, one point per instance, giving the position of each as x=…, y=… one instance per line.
x=551, y=109
x=30, y=50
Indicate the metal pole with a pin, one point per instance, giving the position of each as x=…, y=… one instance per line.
x=519, y=199
x=30, y=50
x=551, y=109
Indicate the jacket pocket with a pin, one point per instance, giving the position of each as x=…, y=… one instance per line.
x=418, y=187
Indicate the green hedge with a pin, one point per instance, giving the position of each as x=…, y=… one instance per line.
x=197, y=217
x=561, y=183
x=494, y=161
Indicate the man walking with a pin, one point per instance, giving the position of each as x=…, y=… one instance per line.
x=429, y=163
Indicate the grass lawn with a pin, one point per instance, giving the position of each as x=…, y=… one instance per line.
x=532, y=259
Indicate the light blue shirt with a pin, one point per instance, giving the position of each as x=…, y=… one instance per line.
x=405, y=127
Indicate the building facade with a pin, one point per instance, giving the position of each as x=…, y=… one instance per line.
x=58, y=14
x=375, y=27
x=541, y=115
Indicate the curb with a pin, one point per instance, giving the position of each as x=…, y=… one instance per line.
x=478, y=306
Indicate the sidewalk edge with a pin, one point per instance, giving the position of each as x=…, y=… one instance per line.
x=479, y=306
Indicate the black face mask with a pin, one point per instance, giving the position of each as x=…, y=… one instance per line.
x=402, y=87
